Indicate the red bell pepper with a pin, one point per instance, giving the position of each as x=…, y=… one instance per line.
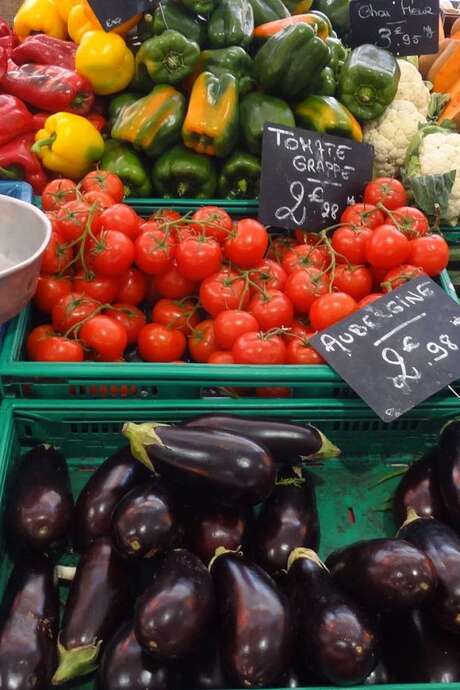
x=3, y=62
x=15, y=118
x=97, y=120
x=49, y=87
x=8, y=40
x=18, y=162
x=45, y=50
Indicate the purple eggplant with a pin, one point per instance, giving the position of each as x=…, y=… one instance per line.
x=110, y=482
x=379, y=676
x=419, y=489
x=448, y=471
x=215, y=526
x=254, y=621
x=145, y=522
x=231, y=469
x=205, y=671
x=287, y=520
x=384, y=574
x=442, y=546
x=29, y=624
x=98, y=600
x=174, y=613
x=288, y=443
x=40, y=502
x=335, y=637
x=124, y=665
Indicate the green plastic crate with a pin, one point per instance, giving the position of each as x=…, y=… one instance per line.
x=350, y=490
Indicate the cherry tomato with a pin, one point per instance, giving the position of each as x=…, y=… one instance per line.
x=101, y=288
x=259, y=348
x=279, y=246
x=173, y=284
x=431, y=253
x=330, y=308
x=356, y=281
x=198, y=258
x=247, y=244
x=386, y=191
x=157, y=343
x=303, y=256
x=213, y=222
x=299, y=351
x=268, y=275
x=387, y=247
x=119, y=217
x=71, y=220
x=366, y=215
x=412, y=222
x=369, y=299
x=98, y=201
x=59, y=349
x=154, y=252
x=104, y=181
x=57, y=255
x=130, y=317
x=57, y=193
x=272, y=309
x=230, y=324
x=111, y=253
x=349, y=243
x=105, y=336
x=304, y=287
x=36, y=336
x=132, y=287
x=202, y=342
x=222, y=291
x=399, y=276
x=221, y=357
x=71, y=310
x=176, y=314
x=50, y=289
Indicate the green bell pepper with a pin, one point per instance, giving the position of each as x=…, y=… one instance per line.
x=369, y=81
x=338, y=12
x=240, y=177
x=170, y=15
x=119, y=102
x=326, y=84
x=182, y=173
x=233, y=60
x=290, y=60
x=231, y=24
x=255, y=110
x=152, y=123
x=167, y=58
x=298, y=6
x=327, y=115
x=199, y=6
x=338, y=54
x=123, y=161
x=268, y=11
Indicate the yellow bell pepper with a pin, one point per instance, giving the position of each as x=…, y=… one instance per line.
x=64, y=7
x=68, y=144
x=82, y=19
x=39, y=16
x=106, y=61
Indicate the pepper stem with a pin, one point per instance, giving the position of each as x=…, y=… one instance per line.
x=365, y=94
x=43, y=143
x=75, y=662
x=182, y=189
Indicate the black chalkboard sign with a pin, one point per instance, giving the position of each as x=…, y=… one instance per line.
x=399, y=350
x=404, y=27
x=112, y=13
x=309, y=178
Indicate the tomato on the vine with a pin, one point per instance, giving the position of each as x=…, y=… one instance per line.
x=303, y=256
x=387, y=247
x=181, y=314
x=58, y=349
x=299, y=351
x=199, y=257
x=57, y=255
x=101, y=288
x=173, y=284
x=247, y=243
x=57, y=193
x=386, y=191
x=271, y=309
x=105, y=336
x=50, y=289
x=366, y=215
x=154, y=252
x=71, y=220
x=202, y=341
x=279, y=246
x=399, y=276
x=369, y=299
x=230, y=324
x=223, y=290
x=330, y=308
x=130, y=317
x=221, y=357
x=411, y=221
x=356, y=281
x=35, y=337
x=157, y=343
x=212, y=221
x=132, y=287
x=103, y=181
x=259, y=348
x=349, y=243
x=305, y=286
x=110, y=254
x=268, y=275
x=98, y=202
x=431, y=253
x=169, y=220
x=119, y=217
x=71, y=310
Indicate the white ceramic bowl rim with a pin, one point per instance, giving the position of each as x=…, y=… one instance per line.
x=47, y=223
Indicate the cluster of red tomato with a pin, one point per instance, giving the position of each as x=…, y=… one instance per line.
x=214, y=290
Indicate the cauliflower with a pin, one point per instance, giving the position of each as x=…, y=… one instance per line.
x=412, y=87
x=439, y=153
x=390, y=136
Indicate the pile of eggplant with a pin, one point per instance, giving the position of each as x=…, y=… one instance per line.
x=198, y=568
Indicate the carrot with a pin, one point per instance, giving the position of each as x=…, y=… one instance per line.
x=271, y=28
x=445, y=71
x=425, y=62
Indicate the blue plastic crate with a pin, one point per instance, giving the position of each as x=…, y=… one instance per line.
x=17, y=190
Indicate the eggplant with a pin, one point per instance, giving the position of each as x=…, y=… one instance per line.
x=29, y=624
x=287, y=520
x=419, y=489
x=335, y=637
x=110, y=482
x=442, y=546
x=205, y=671
x=145, y=522
x=384, y=575
x=124, y=665
x=448, y=471
x=417, y=651
x=231, y=469
x=40, y=503
x=174, y=613
x=98, y=599
x=379, y=676
x=216, y=526
x=288, y=443
x=254, y=619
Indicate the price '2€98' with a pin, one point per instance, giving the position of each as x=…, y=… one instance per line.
x=297, y=213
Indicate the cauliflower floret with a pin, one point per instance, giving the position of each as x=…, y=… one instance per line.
x=412, y=87
x=390, y=136
x=440, y=153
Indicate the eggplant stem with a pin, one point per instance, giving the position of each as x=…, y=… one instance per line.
x=326, y=450
x=140, y=436
x=65, y=572
x=411, y=517
x=301, y=552
x=76, y=662
x=221, y=551
x=298, y=482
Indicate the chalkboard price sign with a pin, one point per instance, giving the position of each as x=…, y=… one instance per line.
x=399, y=350
x=112, y=13
x=404, y=27
x=309, y=178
